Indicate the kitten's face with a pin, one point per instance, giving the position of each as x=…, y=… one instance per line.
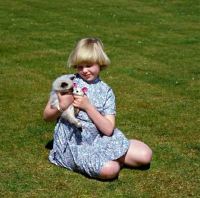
x=63, y=85
x=66, y=87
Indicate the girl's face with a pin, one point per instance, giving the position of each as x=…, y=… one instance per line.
x=88, y=72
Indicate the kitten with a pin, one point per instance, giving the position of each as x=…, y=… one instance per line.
x=66, y=86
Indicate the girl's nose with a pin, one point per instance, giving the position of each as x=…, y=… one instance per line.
x=85, y=69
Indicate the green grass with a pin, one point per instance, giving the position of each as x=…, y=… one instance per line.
x=155, y=74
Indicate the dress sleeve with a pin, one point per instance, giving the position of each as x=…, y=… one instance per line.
x=109, y=106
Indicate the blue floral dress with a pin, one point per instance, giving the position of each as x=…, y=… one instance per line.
x=88, y=150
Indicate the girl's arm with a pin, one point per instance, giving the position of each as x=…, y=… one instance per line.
x=51, y=114
x=105, y=124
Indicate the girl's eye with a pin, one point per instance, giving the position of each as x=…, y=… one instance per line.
x=79, y=67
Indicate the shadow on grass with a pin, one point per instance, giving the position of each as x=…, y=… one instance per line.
x=49, y=145
x=141, y=168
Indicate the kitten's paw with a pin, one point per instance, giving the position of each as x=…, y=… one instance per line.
x=79, y=125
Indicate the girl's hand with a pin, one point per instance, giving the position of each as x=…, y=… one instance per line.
x=81, y=102
x=51, y=114
x=65, y=100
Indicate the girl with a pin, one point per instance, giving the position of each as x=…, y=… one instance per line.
x=98, y=149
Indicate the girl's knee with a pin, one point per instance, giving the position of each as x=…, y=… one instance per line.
x=110, y=170
x=140, y=153
x=146, y=156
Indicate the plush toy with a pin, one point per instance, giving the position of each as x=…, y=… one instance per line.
x=79, y=91
x=66, y=86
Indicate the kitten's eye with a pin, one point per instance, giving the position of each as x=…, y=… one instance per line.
x=63, y=85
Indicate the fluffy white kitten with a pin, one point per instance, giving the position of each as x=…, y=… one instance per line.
x=66, y=86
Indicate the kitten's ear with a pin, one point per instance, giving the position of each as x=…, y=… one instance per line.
x=72, y=77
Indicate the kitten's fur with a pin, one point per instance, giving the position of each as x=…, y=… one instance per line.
x=65, y=86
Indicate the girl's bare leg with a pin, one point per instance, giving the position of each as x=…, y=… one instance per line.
x=110, y=170
x=138, y=154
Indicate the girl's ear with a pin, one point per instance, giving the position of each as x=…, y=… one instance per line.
x=75, y=85
x=84, y=89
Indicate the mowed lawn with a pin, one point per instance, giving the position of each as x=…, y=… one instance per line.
x=155, y=73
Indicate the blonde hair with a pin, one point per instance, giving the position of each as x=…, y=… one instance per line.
x=89, y=50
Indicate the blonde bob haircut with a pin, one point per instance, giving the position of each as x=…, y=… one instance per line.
x=89, y=50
